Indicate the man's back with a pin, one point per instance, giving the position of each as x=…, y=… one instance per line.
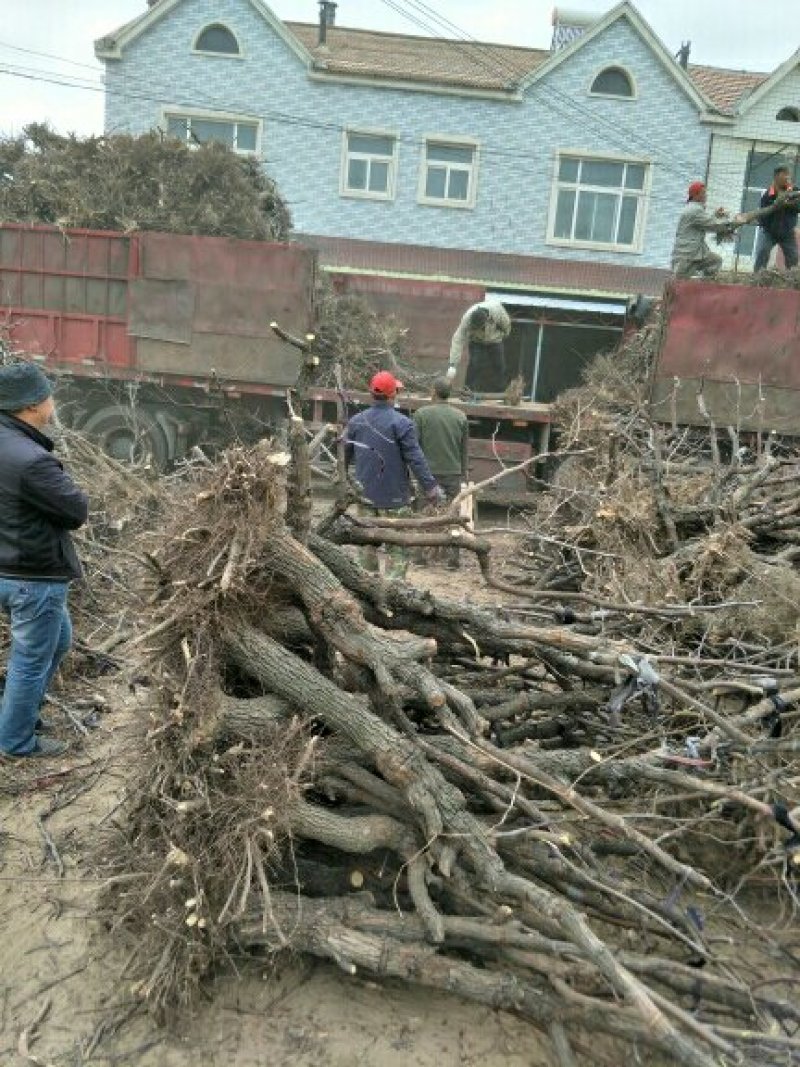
x=443, y=433
x=383, y=444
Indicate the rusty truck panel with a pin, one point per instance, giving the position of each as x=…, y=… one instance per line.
x=741, y=345
x=204, y=305
x=64, y=295
x=164, y=304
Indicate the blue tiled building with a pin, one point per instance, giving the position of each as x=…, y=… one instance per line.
x=578, y=153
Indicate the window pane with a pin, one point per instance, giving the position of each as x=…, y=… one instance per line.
x=204, y=130
x=458, y=186
x=762, y=165
x=357, y=174
x=634, y=176
x=568, y=169
x=564, y=210
x=598, y=172
x=449, y=153
x=627, y=220
x=246, y=137
x=435, y=182
x=370, y=146
x=614, y=82
x=177, y=127
x=595, y=217
x=379, y=177
x=217, y=39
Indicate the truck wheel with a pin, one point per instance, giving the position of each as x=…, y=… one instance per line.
x=127, y=436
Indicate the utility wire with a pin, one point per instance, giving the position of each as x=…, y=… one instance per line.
x=486, y=57
x=50, y=55
x=501, y=156
x=500, y=153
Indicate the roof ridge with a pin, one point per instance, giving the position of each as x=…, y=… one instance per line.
x=419, y=37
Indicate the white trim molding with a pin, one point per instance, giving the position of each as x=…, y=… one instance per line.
x=445, y=140
x=391, y=160
x=634, y=93
x=238, y=54
x=642, y=196
x=627, y=11
x=114, y=44
x=176, y=111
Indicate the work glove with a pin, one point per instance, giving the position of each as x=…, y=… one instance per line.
x=450, y=374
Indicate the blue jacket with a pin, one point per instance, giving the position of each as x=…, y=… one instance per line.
x=383, y=443
x=39, y=505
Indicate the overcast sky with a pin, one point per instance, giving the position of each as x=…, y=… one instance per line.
x=745, y=34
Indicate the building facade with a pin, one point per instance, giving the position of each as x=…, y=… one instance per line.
x=583, y=153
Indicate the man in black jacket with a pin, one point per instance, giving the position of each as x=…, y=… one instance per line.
x=39, y=504
x=777, y=228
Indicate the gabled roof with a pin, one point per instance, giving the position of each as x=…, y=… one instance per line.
x=434, y=60
x=726, y=88
x=770, y=82
x=628, y=12
x=456, y=64
x=112, y=45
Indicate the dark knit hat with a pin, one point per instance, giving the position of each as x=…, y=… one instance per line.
x=23, y=385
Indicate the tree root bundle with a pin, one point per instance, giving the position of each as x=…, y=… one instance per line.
x=530, y=814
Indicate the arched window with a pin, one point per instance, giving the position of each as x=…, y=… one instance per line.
x=613, y=81
x=788, y=114
x=217, y=39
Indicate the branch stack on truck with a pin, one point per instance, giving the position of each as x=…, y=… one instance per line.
x=162, y=341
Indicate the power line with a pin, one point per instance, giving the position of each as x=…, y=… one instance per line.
x=476, y=50
x=50, y=55
x=499, y=154
x=77, y=82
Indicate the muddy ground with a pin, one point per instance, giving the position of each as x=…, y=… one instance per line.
x=63, y=1002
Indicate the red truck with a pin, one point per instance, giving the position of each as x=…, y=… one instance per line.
x=181, y=325
x=162, y=341
x=733, y=352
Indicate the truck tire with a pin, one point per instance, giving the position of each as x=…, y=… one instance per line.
x=128, y=437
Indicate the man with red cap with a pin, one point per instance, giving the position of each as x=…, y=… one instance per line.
x=382, y=444
x=690, y=254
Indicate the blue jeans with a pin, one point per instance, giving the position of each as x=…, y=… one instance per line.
x=41, y=634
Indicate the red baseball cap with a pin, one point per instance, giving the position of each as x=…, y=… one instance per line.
x=384, y=384
x=695, y=188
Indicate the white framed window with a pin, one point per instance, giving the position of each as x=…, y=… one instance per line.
x=369, y=164
x=598, y=202
x=449, y=172
x=217, y=40
x=238, y=132
x=614, y=81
